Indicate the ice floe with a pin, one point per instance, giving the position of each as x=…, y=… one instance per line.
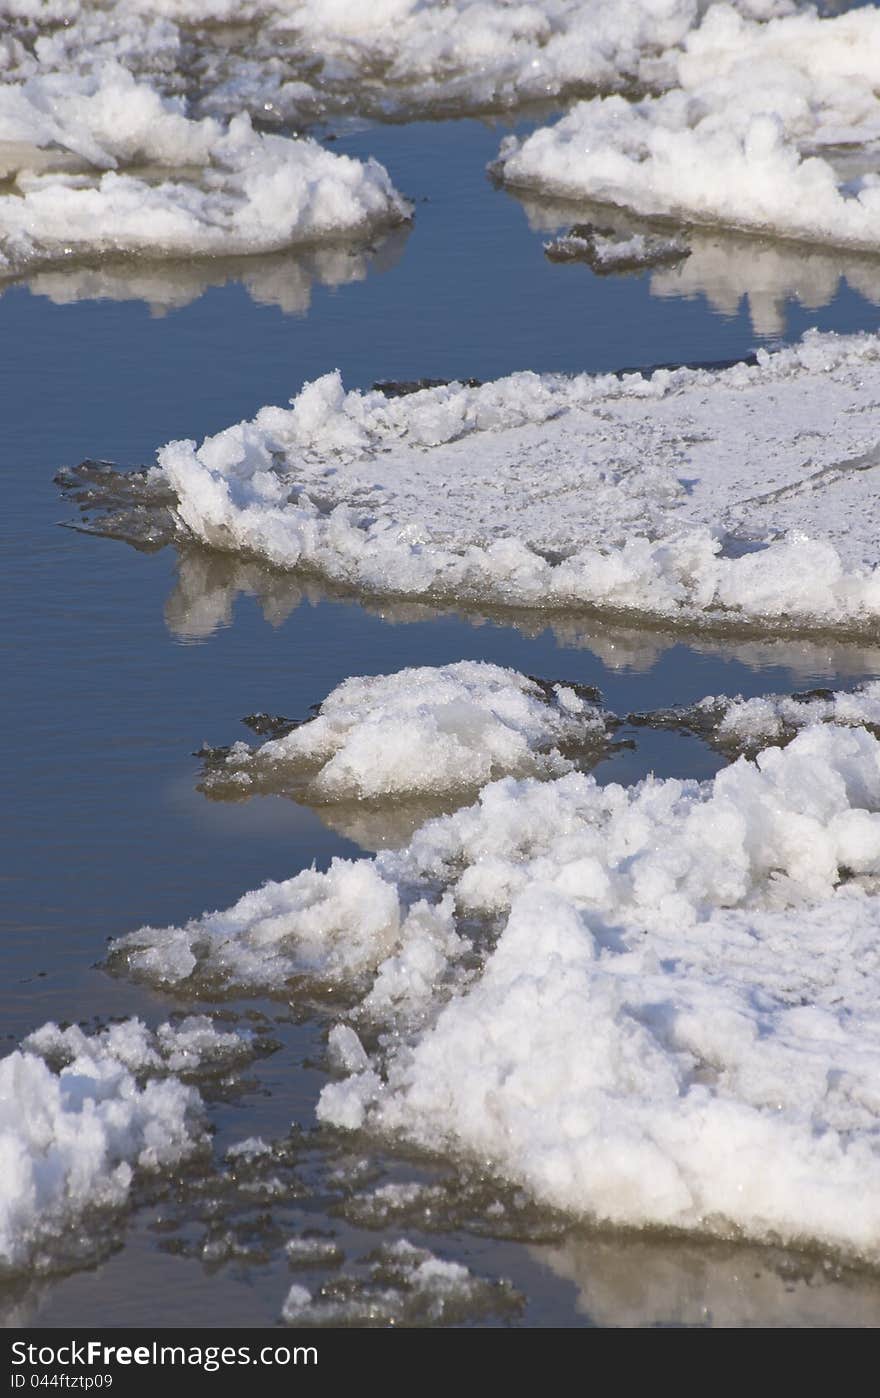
x=300, y=59
x=744, y=725
x=136, y=175
x=649, y=1006
x=426, y=731
x=677, y=1026
x=605, y=252
x=738, y=495
x=745, y=134
x=80, y=1115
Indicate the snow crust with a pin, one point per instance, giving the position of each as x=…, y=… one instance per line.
x=744, y=134
x=81, y=1115
x=740, y=494
x=428, y=730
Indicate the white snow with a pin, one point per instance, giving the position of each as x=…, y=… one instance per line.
x=295, y=59
x=194, y=187
x=743, y=136
x=77, y=1121
x=770, y=717
x=427, y=730
x=677, y=1026
x=741, y=494
x=345, y=926
x=674, y=1021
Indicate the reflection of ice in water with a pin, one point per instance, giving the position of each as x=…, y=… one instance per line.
x=208, y=584
x=284, y=279
x=727, y=269
x=768, y=275
x=629, y=1281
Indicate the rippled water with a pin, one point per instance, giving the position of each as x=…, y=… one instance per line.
x=123, y=663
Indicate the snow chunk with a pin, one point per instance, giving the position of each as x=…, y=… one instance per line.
x=200, y=188
x=425, y=730
x=348, y=925
x=736, y=138
x=79, y=1115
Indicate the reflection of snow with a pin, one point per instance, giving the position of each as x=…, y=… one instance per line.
x=629, y=1281
x=283, y=279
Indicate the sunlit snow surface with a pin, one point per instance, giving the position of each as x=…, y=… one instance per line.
x=80, y=1116
x=744, y=134
x=651, y=1006
x=738, y=495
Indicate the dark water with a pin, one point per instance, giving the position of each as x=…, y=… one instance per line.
x=121, y=664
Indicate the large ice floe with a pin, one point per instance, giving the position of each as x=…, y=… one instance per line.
x=652, y=1006
x=81, y=1115
x=768, y=127
x=101, y=163
x=740, y=495
x=297, y=59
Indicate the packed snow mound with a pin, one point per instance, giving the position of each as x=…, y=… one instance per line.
x=299, y=59
x=80, y=1115
x=428, y=730
x=745, y=494
x=191, y=187
x=347, y=927
x=677, y=1026
x=648, y=1006
x=737, y=138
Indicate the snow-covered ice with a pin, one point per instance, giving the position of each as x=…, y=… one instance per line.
x=605, y=252
x=677, y=1026
x=136, y=175
x=298, y=59
x=426, y=731
x=740, y=725
x=744, y=135
x=80, y=1115
x=743, y=494
x=649, y=1006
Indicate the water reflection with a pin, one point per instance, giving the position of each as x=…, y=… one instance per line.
x=727, y=269
x=638, y=1281
x=208, y=584
x=283, y=280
